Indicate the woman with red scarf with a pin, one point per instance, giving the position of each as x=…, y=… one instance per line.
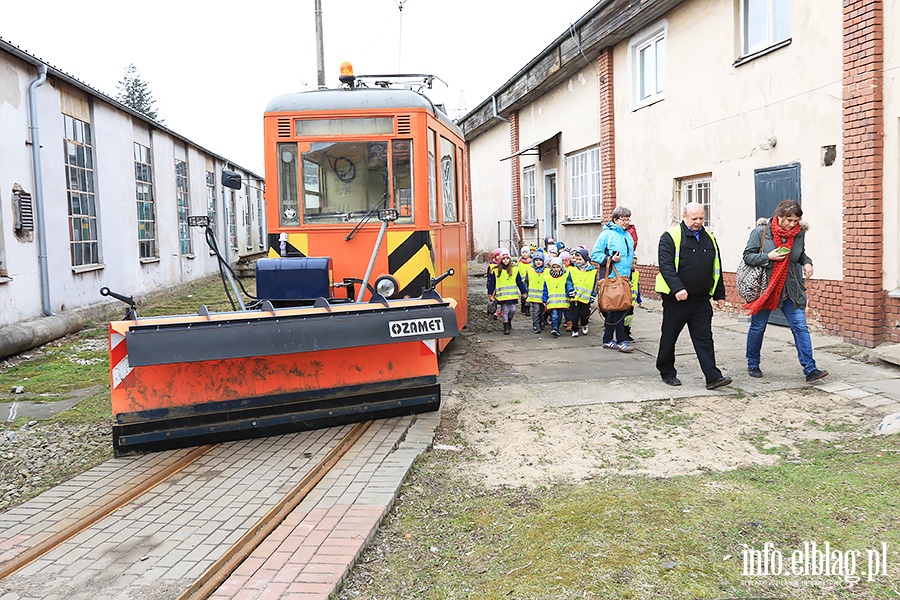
x=784, y=256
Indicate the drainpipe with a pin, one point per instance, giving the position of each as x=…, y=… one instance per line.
x=39, y=187
x=497, y=114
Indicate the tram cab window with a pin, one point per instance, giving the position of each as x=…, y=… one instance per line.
x=401, y=160
x=288, y=196
x=432, y=179
x=345, y=181
x=448, y=181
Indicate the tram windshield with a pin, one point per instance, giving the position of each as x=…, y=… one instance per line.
x=340, y=182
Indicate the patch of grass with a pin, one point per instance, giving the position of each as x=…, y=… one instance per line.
x=658, y=416
x=74, y=362
x=634, y=537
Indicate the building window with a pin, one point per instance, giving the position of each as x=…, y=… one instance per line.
x=182, y=195
x=693, y=189
x=764, y=23
x=647, y=54
x=83, y=232
x=146, y=209
x=231, y=217
x=585, y=201
x=248, y=221
x=260, y=221
x=211, y=199
x=529, y=209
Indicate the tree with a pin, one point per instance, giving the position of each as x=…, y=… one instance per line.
x=135, y=93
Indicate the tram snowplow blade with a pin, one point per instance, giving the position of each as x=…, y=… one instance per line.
x=188, y=380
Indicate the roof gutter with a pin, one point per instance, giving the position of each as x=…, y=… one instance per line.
x=39, y=188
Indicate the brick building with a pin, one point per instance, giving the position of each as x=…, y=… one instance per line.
x=734, y=104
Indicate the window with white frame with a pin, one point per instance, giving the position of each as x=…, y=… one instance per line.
x=585, y=198
x=694, y=189
x=83, y=231
x=146, y=208
x=647, y=54
x=529, y=208
x=260, y=221
x=764, y=23
x=211, y=199
x=182, y=196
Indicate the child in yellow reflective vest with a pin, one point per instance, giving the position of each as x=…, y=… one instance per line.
x=522, y=268
x=556, y=294
x=584, y=290
x=535, y=284
x=504, y=286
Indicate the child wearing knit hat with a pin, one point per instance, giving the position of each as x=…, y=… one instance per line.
x=556, y=293
x=535, y=284
x=522, y=269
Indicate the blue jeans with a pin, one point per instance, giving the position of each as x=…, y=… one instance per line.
x=796, y=318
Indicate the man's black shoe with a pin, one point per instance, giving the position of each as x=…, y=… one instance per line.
x=754, y=372
x=816, y=375
x=672, y=380
x=718, y=383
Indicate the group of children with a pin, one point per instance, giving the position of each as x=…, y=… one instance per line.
x=555, y=285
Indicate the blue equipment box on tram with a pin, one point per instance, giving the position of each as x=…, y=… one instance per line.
x=293, y=279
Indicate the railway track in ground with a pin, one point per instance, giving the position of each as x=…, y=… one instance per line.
x=209, y=522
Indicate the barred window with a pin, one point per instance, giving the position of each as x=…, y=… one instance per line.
x=146, y=207
x=211, y=199
x=585, y=198
x=529, y=211
x=260, y=220
x=82, y=201
x=693, y=189
x=182, y=195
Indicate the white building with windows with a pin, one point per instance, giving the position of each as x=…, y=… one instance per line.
x=94, y=194
x=736, y=104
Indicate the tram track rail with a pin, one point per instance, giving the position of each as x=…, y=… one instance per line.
x=219, y=572
x=67, y=533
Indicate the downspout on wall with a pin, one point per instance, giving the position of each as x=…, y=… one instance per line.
x=39, y=188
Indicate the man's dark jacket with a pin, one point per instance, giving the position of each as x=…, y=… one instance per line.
x=695, y=265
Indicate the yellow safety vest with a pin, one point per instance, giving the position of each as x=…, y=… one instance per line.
x=556, y=291
x=584, y=282
x=535, y=285
x=662, y=287
x=506, y=288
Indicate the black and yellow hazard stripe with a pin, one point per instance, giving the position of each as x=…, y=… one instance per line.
x=411, y=260
x=297, y=245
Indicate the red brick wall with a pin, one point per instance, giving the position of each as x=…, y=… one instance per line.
x=863, y=299
x=467, y=186
x=607, y=132
x=516, y=166
x=824, y=311
x=892, y=320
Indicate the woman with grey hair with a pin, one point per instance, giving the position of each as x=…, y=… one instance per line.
x=615, y=244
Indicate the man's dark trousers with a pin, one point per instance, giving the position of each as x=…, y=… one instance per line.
x=696, y=312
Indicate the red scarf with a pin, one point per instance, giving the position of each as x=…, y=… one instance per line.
x=772, y=294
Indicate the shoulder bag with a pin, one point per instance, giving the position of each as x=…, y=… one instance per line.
x=614, y=295
x=752, y=281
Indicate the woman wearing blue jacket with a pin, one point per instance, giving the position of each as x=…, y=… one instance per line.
x=615, y=244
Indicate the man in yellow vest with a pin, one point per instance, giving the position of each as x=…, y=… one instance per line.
x=690, y=273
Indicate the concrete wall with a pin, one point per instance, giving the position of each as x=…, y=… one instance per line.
x=715, y=115
x=114, y=132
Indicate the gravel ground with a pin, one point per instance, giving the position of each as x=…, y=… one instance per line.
x=39, y=455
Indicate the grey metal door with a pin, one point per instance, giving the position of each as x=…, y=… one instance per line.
x=774, y=184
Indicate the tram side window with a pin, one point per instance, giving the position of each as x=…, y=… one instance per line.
x=351, y=179
x=432, y=179
x=401, y=160
x=448, y=181
x=288, y=194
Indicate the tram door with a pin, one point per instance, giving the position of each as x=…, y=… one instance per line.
x=774, y=184
x=550, y=195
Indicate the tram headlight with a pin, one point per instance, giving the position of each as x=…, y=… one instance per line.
x=387, y=286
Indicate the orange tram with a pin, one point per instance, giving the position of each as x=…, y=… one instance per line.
x=365, y=281
x=335, y=158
